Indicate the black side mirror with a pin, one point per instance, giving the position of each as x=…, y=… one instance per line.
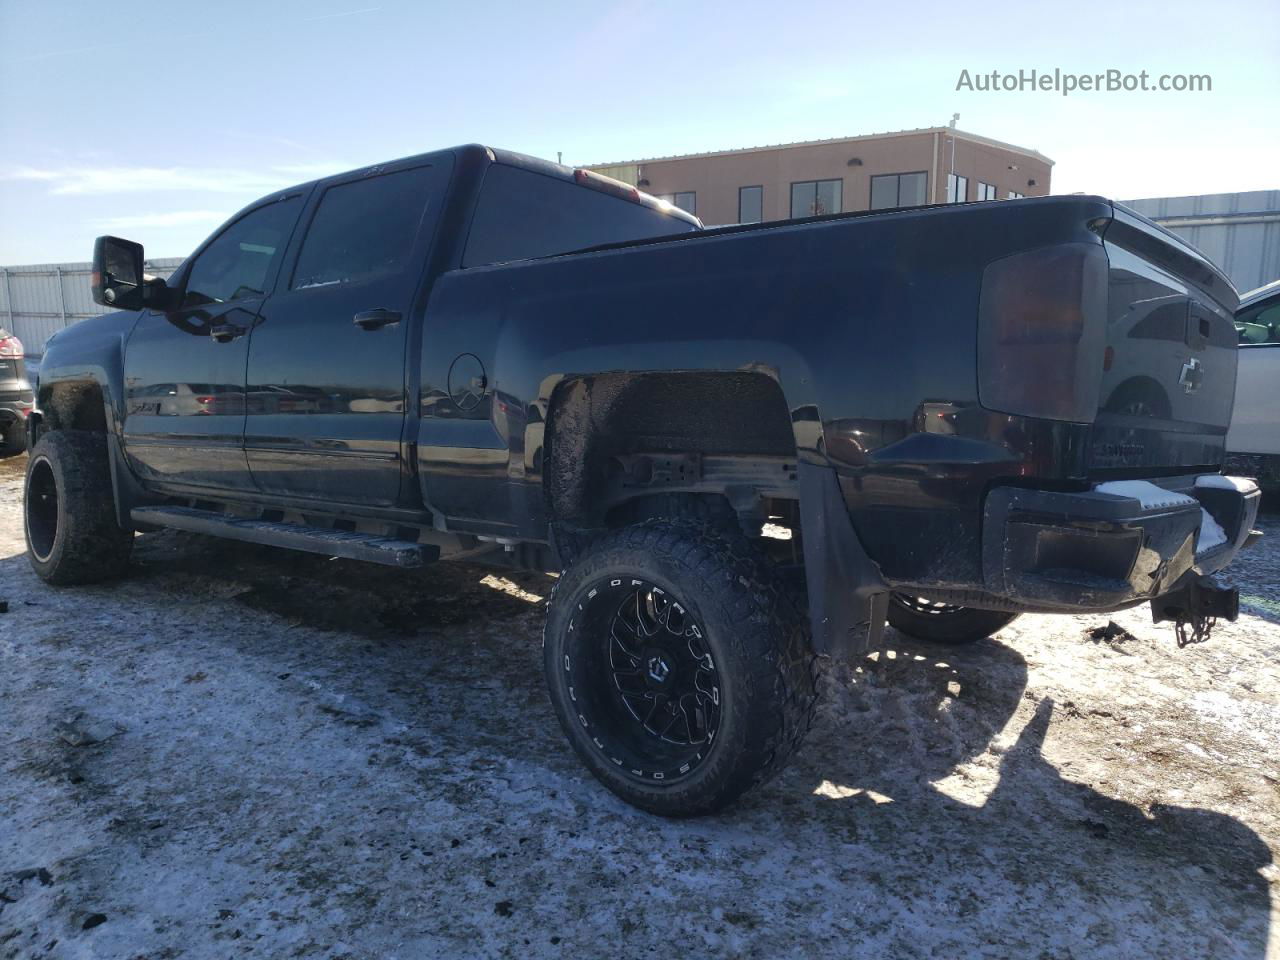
x=117, y=273
x=118, y=280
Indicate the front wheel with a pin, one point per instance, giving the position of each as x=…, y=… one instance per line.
x=678, y=665
x=944, y=622
x=69, y=512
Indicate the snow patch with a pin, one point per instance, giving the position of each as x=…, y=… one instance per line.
x=835, y=791
x=1148, y=494
x=1219, y=482
x=1211, y=533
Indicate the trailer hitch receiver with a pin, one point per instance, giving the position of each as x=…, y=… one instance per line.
x=1196, y=608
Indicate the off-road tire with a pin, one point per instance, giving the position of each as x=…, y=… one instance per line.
x=946, y=623
x=74, y=539
x=763, y=655
x=709, y=510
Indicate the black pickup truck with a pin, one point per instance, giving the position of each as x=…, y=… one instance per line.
x=742, y=449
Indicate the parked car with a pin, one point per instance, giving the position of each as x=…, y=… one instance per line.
x=16, y=398
x=1253, y=442
x=490, y=357
x=186, y=399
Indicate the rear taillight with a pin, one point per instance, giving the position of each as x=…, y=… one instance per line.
x=11, y=347
x=1041, y=332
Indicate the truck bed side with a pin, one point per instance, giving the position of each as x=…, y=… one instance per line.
x=866, y=324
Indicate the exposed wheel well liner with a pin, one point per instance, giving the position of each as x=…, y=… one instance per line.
x=595, y=419
x=73, y=405
x=1140, y=392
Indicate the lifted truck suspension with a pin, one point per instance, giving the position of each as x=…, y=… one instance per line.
x=1195, y=609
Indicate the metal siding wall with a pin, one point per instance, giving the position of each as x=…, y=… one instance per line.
x=36, y=301
x=626, y=172
x=1248, y=251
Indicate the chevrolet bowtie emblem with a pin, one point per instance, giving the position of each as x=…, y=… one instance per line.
x=1192, y=375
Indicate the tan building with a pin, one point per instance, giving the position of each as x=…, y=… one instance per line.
x=874, y=172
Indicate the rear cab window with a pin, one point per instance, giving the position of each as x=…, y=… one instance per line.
x=522, y=214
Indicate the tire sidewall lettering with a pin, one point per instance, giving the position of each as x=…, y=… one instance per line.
x=598, y=744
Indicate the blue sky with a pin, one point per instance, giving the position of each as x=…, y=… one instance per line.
x=156, y=121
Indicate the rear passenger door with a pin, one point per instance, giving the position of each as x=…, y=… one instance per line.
x=326, y=367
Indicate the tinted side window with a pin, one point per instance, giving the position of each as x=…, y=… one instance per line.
x=240, y=261
x=522, y=214
x=363, y=229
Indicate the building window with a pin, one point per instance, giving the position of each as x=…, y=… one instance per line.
x=1015, y=195
x=750, y=204
x=813, y=198
x=688, y=201
x=898, y=190
x=957, y=188
x=986, y=191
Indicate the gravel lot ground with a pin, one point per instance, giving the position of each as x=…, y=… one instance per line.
x=298, y=757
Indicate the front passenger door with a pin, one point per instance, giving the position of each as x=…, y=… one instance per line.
x=185, y=367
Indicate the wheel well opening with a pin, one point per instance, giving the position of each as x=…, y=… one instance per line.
x=1140, y=396
x=77, y=405
x=663, y=442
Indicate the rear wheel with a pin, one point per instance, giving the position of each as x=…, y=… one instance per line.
x=69, y=512
x=944, y=622
x=678, y=665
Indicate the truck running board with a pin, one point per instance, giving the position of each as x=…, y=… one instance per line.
x=293, y=536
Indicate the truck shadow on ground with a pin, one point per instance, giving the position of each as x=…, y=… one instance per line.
x=339, y=595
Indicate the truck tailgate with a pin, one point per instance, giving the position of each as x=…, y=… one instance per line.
x=1169, y=368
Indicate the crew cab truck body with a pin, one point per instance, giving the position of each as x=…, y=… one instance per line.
x=954, y=412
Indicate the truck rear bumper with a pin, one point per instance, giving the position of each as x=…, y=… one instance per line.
x=1114, y=546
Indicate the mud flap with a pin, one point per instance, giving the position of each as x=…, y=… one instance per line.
x=848, y=598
